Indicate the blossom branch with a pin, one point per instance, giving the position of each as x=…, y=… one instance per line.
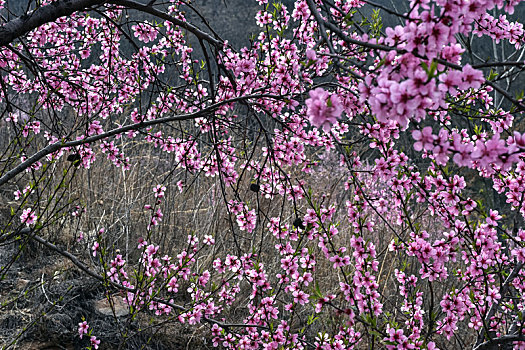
x=42, y=15
x=85, y=269
x=153, y=11
x=61, y=144
x=492, y=311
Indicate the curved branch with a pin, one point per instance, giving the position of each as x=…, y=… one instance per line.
x=153, y=11
x=49, y=13
x=504, y=339
x=499, y=64
x=62, y=144
x=42, y=15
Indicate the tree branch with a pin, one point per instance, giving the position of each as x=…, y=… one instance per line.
x=62, y=144
x=85, y=269
x=494, y=307
x=504, y=339
x=42, y=15
x=49, y=13
x=153, y=11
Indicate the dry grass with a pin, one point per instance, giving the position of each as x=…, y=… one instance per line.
x=114, y=199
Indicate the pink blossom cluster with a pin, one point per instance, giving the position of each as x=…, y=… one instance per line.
x=323, y=109
x=28, y=217
x=402, y=251
x=246, y=219
x=485, y=154
x=83, y=330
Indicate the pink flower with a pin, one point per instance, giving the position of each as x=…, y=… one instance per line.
x=311, y=54
x=151, y=250
x=425, y=139
x=173, y=285
x=144, y=32
x=493, y=217
x=300, y=297
x=209, y=240
x=245, y=66
x=403, y=100
x=323, y=109
x=493, y=295
x=394, y=35
x=159, y=191
x=462, y=157
x=28, y=217
x=472, y=78
x=519, y=140
x=487, y=153
x=450, y=81
x=82, y=328
x=94, y=342
x=95, y=248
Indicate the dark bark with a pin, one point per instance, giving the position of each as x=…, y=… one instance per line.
x=45, y=14
x=49, y=13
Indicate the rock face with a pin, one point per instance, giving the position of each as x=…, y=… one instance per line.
x=116, y=307
x=234, y=20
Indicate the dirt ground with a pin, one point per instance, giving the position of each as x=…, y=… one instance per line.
x=44, y=297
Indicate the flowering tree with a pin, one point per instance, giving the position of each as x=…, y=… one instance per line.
x=371, y=177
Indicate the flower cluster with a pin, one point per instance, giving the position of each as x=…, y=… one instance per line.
x=417, y=242
x=323, y=109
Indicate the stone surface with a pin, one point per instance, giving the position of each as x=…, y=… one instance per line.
x=104, y=307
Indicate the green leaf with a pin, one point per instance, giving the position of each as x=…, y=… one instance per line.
x=425, y=67
x=317, y=291
x=311, y=319
x=433, y=68
x=492, y=75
